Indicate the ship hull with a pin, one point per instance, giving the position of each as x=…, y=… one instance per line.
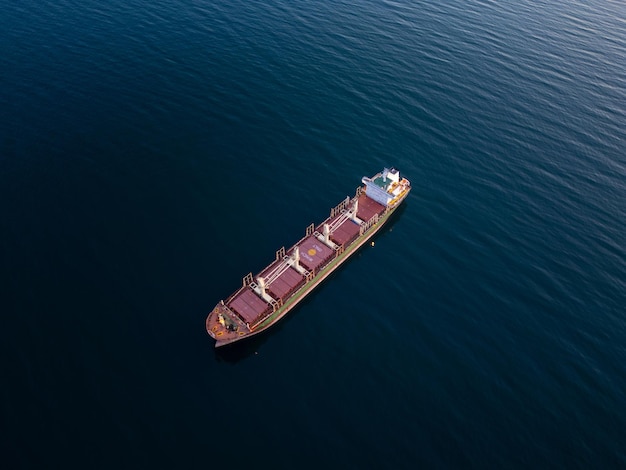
x=224, y=335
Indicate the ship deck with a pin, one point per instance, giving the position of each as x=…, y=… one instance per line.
x=270, y=295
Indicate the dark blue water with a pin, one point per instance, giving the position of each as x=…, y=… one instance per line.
x=153, y=153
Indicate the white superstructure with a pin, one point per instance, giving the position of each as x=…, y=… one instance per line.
x=386, y=188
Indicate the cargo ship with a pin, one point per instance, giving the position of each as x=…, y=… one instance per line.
x=264, y=299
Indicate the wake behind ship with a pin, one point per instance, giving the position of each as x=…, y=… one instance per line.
x=267, y=297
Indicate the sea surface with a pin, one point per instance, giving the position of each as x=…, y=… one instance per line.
x=152, y=153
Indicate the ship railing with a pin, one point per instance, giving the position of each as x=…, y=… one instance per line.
x=280, y=253
x=276, y=304
x=339, y=207
x=247, y=279
x=366, y=226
